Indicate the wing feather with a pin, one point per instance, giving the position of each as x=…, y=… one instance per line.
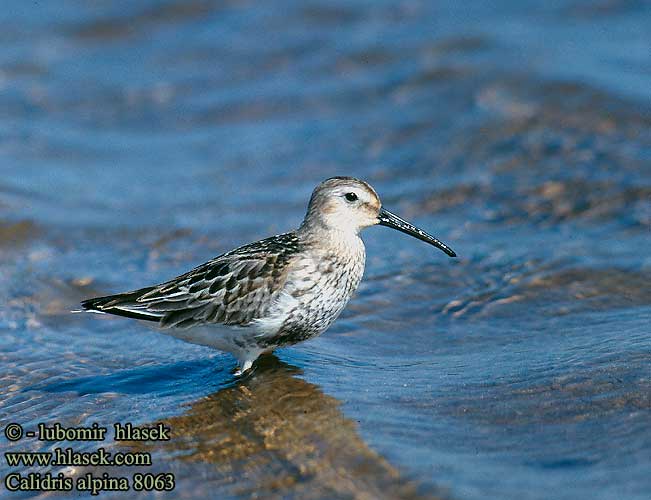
x=235, y=288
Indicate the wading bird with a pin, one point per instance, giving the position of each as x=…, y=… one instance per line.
x=277, y=291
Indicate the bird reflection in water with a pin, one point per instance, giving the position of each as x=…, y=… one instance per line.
x=276, y=435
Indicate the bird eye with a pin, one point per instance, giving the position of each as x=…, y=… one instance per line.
x=351, y=197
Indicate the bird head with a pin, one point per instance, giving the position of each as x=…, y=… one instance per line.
x=349, y=205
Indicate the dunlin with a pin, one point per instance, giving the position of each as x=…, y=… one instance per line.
x=277, y=291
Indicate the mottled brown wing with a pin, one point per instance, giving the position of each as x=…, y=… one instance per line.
x=232, y=289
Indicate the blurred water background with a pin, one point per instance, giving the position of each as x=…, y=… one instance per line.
x=138, y=139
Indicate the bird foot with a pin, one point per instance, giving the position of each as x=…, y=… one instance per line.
x=243, y=368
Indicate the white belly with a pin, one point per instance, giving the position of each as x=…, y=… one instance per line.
x=316, y=291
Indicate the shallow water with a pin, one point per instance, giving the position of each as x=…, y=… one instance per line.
x=141, y=139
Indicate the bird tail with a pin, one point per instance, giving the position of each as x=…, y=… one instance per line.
x=122, y=304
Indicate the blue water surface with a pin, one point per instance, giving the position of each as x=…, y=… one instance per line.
x=139, y=139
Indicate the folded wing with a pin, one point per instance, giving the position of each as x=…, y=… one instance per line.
x=232, y=289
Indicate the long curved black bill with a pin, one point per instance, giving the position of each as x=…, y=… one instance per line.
x=388, y=219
